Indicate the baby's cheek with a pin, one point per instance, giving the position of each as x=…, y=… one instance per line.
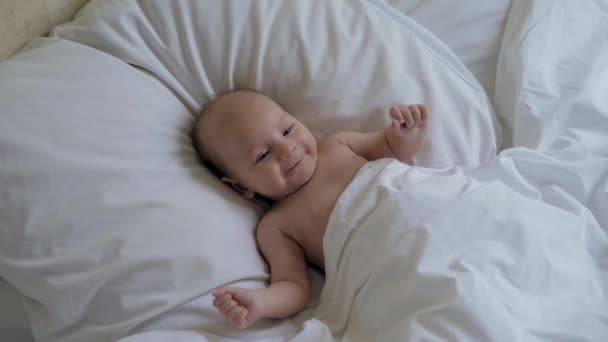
x=272, y=180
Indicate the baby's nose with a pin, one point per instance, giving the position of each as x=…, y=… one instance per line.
x=288, y=149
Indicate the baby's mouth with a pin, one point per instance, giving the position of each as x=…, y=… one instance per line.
x=293, y=167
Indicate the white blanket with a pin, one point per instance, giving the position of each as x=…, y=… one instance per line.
x=415, y=253
x=515, y=250
x=552, y=77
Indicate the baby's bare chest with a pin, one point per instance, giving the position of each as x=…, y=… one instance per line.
x=310, y=210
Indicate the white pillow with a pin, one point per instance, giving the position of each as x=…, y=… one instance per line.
x=108, y=220
x=336, y=65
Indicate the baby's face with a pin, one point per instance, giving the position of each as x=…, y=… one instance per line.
x=260, y=145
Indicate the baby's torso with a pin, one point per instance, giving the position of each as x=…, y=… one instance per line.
x=305, y=214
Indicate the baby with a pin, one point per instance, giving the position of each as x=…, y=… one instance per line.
x=263, y=150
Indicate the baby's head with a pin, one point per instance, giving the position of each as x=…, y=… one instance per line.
x=257, y=146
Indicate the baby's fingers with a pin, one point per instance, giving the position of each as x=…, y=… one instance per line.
x=408, y=119
x=226, y=306
x=217, y=302
x=424, y=115
x=416, y=113
x=403, y=115
x=234, y=313
x=395, y=123
x=222, y=297
x=395, y=113
x=241, y=319
x=221, y=291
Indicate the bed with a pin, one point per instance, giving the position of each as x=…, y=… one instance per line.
x=111, y=229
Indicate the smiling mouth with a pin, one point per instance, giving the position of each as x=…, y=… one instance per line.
x=293, y=167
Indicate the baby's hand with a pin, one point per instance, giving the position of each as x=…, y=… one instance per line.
x=405, y=118
x=407, y=132
x=242, y=307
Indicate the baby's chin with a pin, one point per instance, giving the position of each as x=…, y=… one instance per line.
x=305, y=177
x=307, y=171
x=292, y=188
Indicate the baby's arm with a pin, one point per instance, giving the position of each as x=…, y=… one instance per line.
x=289, y=289
x=401, y=140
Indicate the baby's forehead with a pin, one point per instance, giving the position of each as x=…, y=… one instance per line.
x=240, y=111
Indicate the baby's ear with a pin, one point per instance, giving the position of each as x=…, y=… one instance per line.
x=248, y=194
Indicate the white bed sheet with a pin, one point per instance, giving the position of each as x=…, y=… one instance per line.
x=552, y=77
x=14, y=324
x=315, y=330
x=473, y=29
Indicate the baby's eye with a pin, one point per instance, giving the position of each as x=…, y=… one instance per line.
x=287, y=131
x=263, y=156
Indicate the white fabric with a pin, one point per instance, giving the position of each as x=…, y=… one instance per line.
x=105, y=229
x=514, y=250
x=414, y=253
x=552, y=76
x=336, y=65
x=14, y=324
x=473, y=29
x=110, y=226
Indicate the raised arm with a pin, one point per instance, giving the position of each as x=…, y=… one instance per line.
x=401, y=140
x=289, y=289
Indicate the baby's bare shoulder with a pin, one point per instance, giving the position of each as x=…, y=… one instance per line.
x=333, y=138
x=335, y=142
x=290, y=215
x=276, y=219
x=271, y=218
